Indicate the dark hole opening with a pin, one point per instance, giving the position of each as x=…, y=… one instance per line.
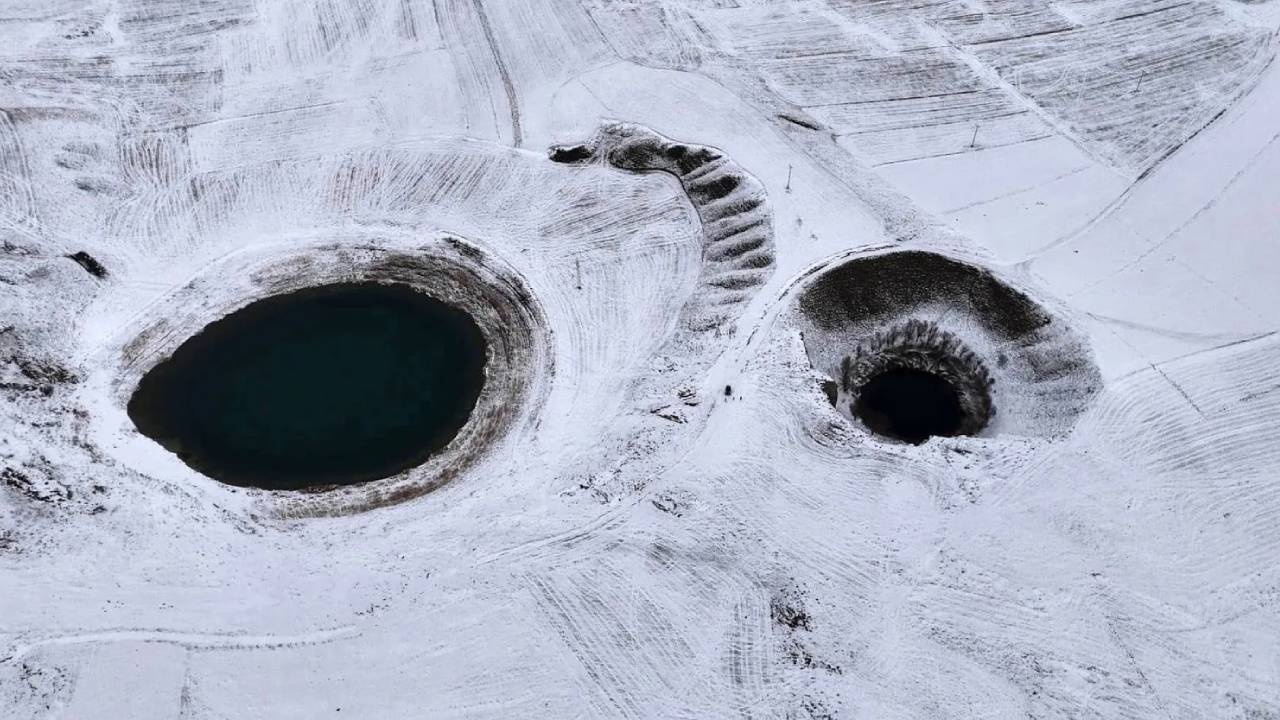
x=337, y=384
x=570, y=153
x=910, y=405
x=89, y=263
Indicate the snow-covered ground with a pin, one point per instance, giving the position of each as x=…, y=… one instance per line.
x=656, y=512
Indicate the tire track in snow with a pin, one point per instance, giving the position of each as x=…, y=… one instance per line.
x=189, y=640
x=512, y=101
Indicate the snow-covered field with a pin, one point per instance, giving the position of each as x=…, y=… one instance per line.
x=677, y=221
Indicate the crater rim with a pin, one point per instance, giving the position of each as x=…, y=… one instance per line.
x=933, y=366
x=441, y=265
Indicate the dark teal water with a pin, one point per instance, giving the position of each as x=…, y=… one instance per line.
x=336, y=384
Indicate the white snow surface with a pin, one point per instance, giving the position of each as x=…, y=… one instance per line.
x=673, y=524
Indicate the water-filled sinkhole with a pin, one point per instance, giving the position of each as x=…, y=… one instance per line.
x=910, y=405
x=330, y=385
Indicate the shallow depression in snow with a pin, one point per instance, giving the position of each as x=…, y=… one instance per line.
x=329, y=385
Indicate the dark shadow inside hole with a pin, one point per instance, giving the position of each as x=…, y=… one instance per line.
x=831, y=389
x=910, y=405
x=336, y=384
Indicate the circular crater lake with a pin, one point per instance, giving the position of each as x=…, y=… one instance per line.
x=330, y=385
